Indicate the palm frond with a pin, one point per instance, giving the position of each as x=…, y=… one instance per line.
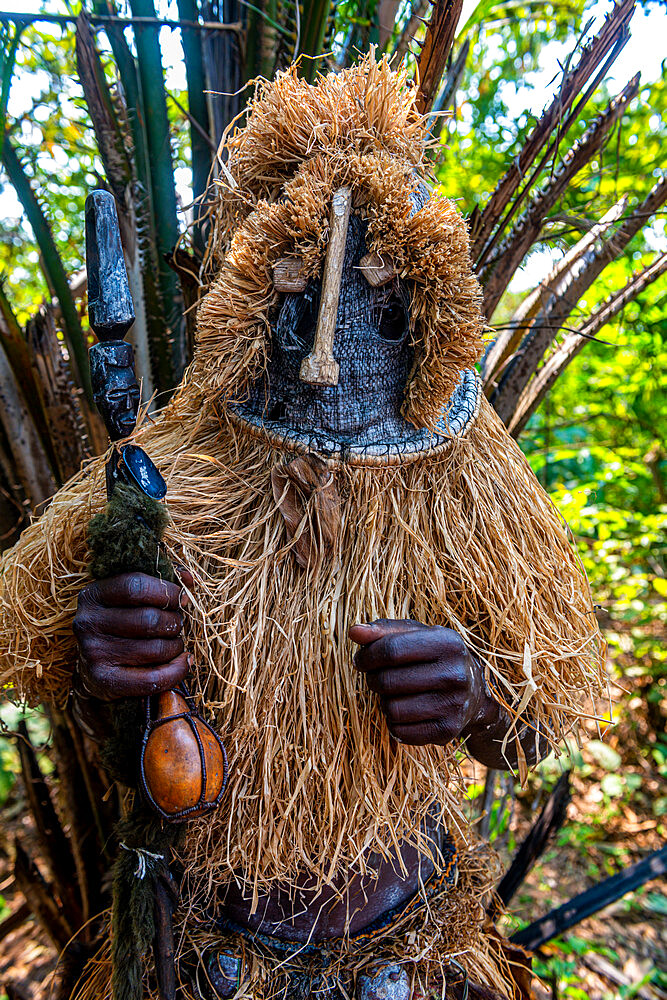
x=575, y=341
x=435, y=51
x=551, y=319
x=487, y=226
x=499, y=270
x=513, y=331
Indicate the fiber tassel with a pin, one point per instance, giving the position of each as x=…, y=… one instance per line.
x=126, y=537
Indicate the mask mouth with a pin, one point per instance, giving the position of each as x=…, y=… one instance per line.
x=405, y=443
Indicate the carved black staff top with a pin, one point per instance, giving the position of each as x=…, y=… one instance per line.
x=111, y=314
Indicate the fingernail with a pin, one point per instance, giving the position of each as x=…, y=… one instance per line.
x=184, y=599
x=191, y=659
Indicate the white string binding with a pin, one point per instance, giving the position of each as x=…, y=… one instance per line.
x=145, y=858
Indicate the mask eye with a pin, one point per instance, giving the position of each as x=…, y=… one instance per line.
x=298, y=319
x=393, y=324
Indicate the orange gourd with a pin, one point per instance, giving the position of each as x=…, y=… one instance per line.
x=183, y=762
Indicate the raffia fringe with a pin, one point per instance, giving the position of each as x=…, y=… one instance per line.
x=467, y=540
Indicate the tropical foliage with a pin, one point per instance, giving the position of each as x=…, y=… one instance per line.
x=576, y=194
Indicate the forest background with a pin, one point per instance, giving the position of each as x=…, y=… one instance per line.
x=597, y=440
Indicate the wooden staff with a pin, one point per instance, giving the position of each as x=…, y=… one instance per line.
x=320, y=368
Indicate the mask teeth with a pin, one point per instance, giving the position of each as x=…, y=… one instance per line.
x=320, y=367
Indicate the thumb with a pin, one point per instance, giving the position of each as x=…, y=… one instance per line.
x=368, y=632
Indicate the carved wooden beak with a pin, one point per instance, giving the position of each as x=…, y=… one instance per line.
x=320, y=368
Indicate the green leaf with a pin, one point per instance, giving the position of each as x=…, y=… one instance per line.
x=605, y=756
x=613, y=785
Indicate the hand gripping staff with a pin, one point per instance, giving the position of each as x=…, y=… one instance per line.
x=182, y=766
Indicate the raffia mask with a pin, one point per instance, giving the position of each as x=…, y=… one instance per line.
x=358, y=415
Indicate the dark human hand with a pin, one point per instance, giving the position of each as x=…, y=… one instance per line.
x=128, y=628
x=430, y=686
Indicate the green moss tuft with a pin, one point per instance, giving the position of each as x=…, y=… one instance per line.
x=125, y=537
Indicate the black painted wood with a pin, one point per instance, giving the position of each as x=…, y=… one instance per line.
x=590, y=901
x=110, y=307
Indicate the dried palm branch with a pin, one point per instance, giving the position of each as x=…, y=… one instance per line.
x=30, y=461
x=549, y=321
x=54, y=845
x=65, y=426
x=22, y=360
x=497, y=273
x=575, y=341
x=409, y=30
x=436, y=48
x=552, y=126
x=512, y=333
x=41, y=899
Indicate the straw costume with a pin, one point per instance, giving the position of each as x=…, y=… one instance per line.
x=300, y=509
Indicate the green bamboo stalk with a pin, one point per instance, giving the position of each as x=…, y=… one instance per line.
x=253, y=44
x=262, y=36
x=314, y=18
x=157, y=323
x=128, y=75
x=269, y=44
x=197, y=106
x=52, y=265
x=8, y=49
x=165, y=217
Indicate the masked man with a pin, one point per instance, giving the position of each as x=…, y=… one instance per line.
x=375, y=579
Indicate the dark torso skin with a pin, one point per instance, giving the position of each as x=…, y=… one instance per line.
x=347, y=906
x=430, y=688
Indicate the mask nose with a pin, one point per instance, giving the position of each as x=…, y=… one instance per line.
x=320, y=367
